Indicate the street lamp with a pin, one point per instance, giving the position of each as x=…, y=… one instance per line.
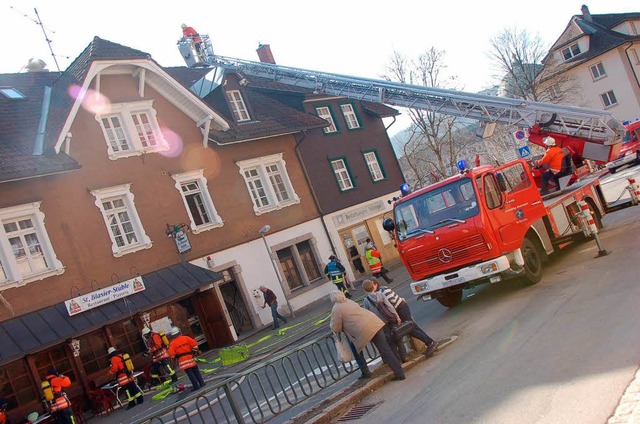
x=262, y=231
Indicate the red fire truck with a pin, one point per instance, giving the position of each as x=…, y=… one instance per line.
x=485, y=224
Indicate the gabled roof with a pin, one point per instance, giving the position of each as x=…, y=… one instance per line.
x=601, y=36
x=19, y=123
x=268, y=117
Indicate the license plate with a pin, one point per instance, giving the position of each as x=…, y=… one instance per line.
x=454, y=281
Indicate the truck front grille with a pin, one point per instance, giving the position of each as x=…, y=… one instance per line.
x=433, y=259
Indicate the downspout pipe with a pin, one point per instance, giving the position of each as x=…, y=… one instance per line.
x=299, y=141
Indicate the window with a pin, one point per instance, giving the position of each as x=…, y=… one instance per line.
x=12, y=93
x=342, y=174
x=571, y=51
x=597, y=71
x=26, y=253
x=93, y=352
x=238, y=107
x=197, y=200
x=17, y=386
x=299, y=264
x=268, y=183
x=492, y=192
x=374, y=166
x=121, y=219
x=350, y=116
x=636, y=57
x=131, y=129
x=324, y=112
x=609, y=99
x=554, y=91
x=126, y=337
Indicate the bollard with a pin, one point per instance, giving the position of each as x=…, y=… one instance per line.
x=634, y=190
x=590, y=227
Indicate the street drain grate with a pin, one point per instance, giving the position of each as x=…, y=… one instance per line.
x=357, y=412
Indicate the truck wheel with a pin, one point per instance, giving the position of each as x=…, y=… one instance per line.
x=532, y=262
x=597, y=219
x=450, y=300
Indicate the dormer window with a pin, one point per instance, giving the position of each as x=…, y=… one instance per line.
x=324, y=112
x=131, y=129
x=571, y=51
x=238, y=108
x=12, y=93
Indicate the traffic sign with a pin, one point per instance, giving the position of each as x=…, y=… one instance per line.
x=519, y=135
x=524, y=151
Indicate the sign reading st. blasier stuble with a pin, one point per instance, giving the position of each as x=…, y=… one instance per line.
x=100, y=297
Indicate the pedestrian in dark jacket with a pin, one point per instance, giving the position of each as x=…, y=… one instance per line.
x=404, y=312
x=271, y=300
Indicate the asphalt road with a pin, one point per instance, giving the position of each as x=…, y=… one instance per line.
x=561, y=351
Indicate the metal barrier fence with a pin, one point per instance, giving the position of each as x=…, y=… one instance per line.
x=266, y=389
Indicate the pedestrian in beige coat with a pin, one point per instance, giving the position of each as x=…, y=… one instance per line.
x=362, y=327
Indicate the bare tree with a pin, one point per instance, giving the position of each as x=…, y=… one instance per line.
x=429, y=147
x=525, y=69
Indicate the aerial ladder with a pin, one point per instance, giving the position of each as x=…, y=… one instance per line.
x=587, y=133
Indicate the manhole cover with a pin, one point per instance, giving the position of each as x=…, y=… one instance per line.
x=356, y=412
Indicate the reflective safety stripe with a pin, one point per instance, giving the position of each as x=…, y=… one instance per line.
x=160, y=354
x=186, y=361
x=124, y=379
x=60, y=402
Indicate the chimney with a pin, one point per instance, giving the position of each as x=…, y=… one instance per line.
x=264, y=53
x=585, y=13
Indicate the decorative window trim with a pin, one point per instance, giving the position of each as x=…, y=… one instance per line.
x=377, y=162
x=329, y=118
x=260, y=164
x=238, y=106
x=347, y=170
x=354, y=112
x=597, y=71
x=13, y=276
x=103, y=194
x=212, y=213
x=124, y=112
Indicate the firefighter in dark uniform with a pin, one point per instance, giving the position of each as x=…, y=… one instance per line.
x=336, y=272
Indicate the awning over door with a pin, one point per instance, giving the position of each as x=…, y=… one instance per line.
x=38, y=330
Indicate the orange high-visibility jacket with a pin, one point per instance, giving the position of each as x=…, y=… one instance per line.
x=553, y=159
x=120, y=370
x=157, y=348
x=183, y=348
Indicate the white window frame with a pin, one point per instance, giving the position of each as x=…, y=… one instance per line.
x=197, y=176
x=350, y=116
x=122, y=191
x=571, y=52
x=262, y=174
x=324, y=112
x=12, y=93
x=375, y=170
x=609, y=99
x=11, y=275
x=125, y=113
x=238, y=107
x=598, y=71
x=342, y=174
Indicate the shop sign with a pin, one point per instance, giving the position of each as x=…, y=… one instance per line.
x=103, y=296
x=182, y=241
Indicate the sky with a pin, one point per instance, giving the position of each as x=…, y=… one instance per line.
x=351, y=37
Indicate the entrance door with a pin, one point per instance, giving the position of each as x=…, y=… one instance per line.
x=234, y=302
x=353, y=241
